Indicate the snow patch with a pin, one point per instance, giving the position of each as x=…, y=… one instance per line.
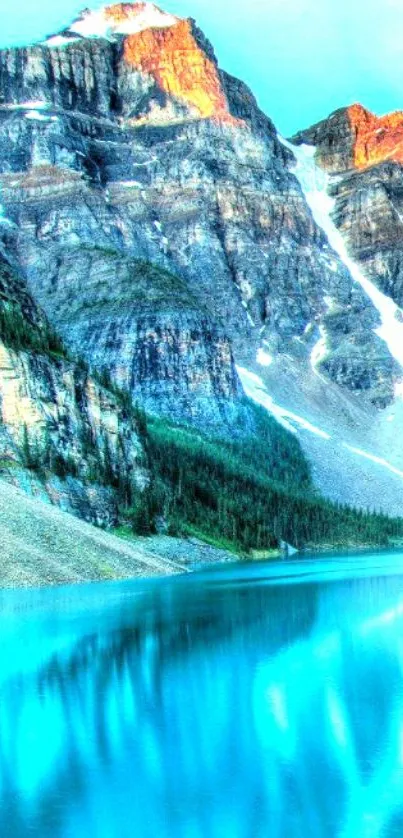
x=26, y=106
x=263, y=358
x=314, y=184
x=151, y=17
x=374, y=459
x=40, y=117
x=319, y=351
x=128, y=184
x=59, y=41
x=256, y=390
x=92, y=25
x=100, y=24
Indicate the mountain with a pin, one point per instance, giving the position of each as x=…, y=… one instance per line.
x=109, y=162
x=354, y=138
x=189, y=254
x=356, y=159
x=363, y=154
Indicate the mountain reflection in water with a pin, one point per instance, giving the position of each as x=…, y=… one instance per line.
x=212, y=705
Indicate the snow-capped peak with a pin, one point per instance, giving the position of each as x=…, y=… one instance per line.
x=117, y=19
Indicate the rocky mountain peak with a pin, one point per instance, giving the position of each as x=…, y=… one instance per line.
x=169, y=51
x=377, y=139
x=128, y=16
x=355, y=138
x=177, y=61
x=113, y=20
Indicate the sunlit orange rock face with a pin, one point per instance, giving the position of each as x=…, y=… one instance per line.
x=121, y=12
x=180, y=67
x=376, y=138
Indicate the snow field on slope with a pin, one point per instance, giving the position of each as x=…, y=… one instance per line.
x=314, y=183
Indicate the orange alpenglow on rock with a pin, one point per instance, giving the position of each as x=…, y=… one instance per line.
x=124, y=11
x=143, y=15
x=175, y=60
x=376, y=138
x=163, y=46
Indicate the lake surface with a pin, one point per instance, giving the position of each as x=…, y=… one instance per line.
x=240, y=702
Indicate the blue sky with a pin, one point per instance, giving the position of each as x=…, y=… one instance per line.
x=302, y=58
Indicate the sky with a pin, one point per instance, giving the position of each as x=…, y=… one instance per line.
x=302, y=58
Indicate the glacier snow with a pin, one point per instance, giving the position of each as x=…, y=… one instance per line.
x=256, y=390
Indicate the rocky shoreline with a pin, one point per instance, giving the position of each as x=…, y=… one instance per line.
x=44, y=546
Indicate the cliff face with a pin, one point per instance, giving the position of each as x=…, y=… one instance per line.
x=355, y=138
x=63, y=437
x=366, y=154
x=180, y=67
x=122, y=143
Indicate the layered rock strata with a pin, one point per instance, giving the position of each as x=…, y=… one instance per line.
x=122, y=142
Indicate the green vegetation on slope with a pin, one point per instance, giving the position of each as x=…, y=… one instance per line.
x=247, y=494
x=243, y=495
x=22, y=328
x=18, y=334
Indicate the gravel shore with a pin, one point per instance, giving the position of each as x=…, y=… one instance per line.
x=41, y=545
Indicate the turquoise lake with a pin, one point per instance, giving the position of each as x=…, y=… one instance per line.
x=250, y=701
